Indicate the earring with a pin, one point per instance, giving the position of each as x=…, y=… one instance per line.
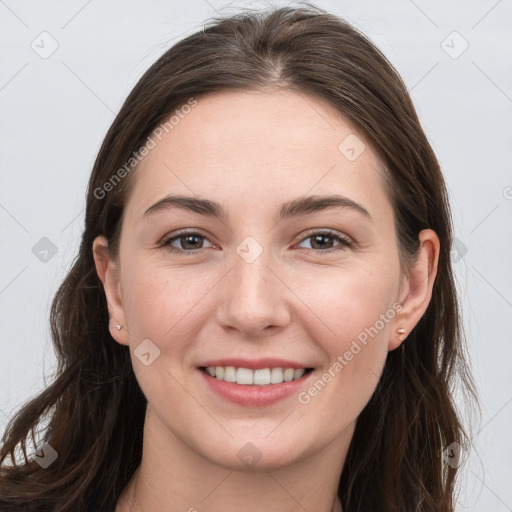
x=119, y=327
x=400, y=333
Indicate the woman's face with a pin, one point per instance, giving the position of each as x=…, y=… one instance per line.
x=263, y=282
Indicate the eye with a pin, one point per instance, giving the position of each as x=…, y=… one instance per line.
x=190, y=242
x=321, y=240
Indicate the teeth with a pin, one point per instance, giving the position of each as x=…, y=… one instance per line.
x=244, y=376
x=248, y=377
x=298, y=373
x=288, y=374
x=276, y=376
x=262, y=377
x=230, y=374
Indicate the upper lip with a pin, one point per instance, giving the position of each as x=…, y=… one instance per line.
x=255, y=364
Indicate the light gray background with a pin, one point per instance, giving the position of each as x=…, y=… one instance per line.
x=55, y=112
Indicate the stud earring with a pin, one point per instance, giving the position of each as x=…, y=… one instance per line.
x=400, y=333
x=119, y=327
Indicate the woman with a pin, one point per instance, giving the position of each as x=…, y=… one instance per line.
x=262, y=313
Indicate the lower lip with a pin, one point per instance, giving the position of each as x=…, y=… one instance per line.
x=254, y=395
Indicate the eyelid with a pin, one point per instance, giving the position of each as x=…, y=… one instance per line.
x=185, y=231
x=325, y=231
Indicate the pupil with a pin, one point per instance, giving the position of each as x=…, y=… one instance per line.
x=322, y=237
x=189, y=237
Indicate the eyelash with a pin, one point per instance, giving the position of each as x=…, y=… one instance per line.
x=345, y=242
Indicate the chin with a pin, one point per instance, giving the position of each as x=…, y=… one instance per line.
x=257, y=453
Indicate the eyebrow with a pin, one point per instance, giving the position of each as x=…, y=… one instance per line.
x=295, y=208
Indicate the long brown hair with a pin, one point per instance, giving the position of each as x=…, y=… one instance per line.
x=94, y=407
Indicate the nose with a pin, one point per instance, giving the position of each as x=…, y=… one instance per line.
x=254, y=299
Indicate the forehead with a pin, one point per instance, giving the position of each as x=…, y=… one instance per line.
x=259, y=145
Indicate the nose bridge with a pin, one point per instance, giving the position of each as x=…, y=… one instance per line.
x=253, y=298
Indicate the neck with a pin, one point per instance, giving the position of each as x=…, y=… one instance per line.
x=172, y=477
x=128, y=502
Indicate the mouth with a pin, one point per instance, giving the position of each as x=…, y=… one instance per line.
x=259, y=377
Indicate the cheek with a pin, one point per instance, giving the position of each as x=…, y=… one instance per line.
x=160, y=305
x=349, y=304
x=352, y=324
x=158, y=301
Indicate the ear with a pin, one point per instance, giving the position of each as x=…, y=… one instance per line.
x=108, y=272
x=416, y=287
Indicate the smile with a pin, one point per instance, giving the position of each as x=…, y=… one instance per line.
x=254, y=388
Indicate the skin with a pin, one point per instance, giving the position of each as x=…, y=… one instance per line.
x=287, y=303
